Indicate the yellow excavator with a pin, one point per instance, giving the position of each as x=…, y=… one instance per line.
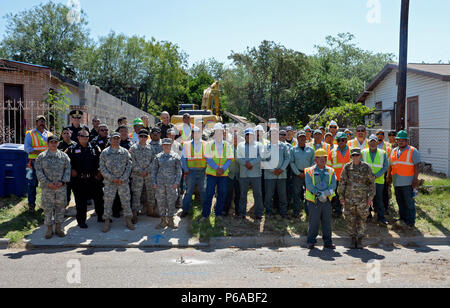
x=211, y=97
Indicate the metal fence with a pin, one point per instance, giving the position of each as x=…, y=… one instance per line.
x=17, y=117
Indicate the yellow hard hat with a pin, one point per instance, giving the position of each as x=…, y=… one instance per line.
x=321, y=153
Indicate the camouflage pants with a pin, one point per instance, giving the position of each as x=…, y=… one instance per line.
x=166, y=196
x=138, y=184
x=54, y=203
x=356, y=214
x=110, y=193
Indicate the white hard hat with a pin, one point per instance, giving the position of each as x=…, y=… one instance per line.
x=218, y=126
x=333, y=123
x=196, y=129
x=259, y=128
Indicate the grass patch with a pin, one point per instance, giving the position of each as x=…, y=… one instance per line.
x=15, y=220
x=433, y=219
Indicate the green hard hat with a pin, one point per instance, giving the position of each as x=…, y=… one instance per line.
x=402, y=135
x=138, y=122
x=341, y=136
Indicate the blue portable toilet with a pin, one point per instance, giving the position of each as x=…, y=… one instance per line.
x=13, y=162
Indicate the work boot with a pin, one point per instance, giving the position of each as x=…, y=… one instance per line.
x=58, y=231
x=162, y=224
x=353, y=244
x=107, y=226
x=129, y=223
x=359, y=244
x=134, y=220
x=171, y=223
x=49, y=233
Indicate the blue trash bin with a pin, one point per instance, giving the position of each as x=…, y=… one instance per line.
x=13, y=162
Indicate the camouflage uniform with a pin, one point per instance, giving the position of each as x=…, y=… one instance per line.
x=142, y=158
x=356, y=187
x=156, y=147
x=53, y=168
x=116, y=164
x=166, y=173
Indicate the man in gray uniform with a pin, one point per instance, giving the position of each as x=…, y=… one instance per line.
x=166, y=173
x=53, y=173
x=115, y=166
x=141, y=173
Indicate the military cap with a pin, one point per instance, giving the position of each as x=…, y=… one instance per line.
x=115, y=134
x=52, y=138
x=167, y=141
x=289, y=129
x=143, y=132
x=355, y=151
x=156, y=130
x=76, y=113
x=171, y=131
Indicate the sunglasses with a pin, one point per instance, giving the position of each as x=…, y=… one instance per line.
x=380, y=134
x=104, y=130
x=142, y=136
x=360, y=131
x=83, y=136
x=356, y=155
x=77, y=118
x=333, y=126
x=342, y=140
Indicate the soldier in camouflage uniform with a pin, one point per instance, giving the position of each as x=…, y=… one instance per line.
x=115, y=166
x=177, y=147
x=167, y=174
x=156, y=146
x=53, y=172
x=356, y=192
x=141, y=175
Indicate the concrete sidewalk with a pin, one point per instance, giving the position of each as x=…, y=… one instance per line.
x=119, y=236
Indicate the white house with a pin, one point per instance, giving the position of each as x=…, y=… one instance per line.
x=427, y=115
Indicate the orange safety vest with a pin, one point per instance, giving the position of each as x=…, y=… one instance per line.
x=337, y=162
x=37, y=142
x=387, y=148
x=403, y=165
x=195, y=160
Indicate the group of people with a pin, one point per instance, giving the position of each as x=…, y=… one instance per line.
x=324, y=172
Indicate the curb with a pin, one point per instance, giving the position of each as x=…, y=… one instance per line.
x=4, y=243
x=287, y=241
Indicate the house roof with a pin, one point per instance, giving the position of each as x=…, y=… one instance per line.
x=12, y=65
x=437, y=71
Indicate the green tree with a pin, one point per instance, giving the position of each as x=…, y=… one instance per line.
x=347, y=115
x=59, y=103
x=265, y=81
x=43, y=35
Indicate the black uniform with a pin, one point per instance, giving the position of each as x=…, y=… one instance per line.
x=85, y=161
x=63, y=146
x=102, y=143
x=164, y=129
x=93, y=134
x=75, y=131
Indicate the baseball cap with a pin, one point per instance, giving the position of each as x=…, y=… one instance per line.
x=167, y=141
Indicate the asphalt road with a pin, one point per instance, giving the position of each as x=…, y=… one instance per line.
x=225, y=268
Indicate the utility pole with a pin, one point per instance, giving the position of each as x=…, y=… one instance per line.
x=402, y=67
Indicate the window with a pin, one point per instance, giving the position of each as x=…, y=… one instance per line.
x=379, y=114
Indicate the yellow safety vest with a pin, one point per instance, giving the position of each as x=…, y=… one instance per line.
x=211, y=152
x=376, y=164
x=195, y=160
x=37, y=142
x=308, y=195
x=353, y=144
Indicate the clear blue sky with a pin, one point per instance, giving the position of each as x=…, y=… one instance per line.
x=206, y=29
